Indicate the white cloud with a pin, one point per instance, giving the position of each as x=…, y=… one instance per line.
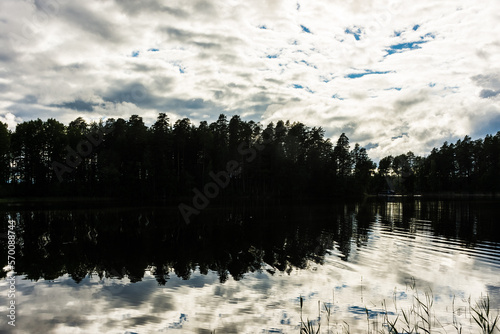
x=203, y=58
x=10, y=119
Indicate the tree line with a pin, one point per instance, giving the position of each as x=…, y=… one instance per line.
x=119, y=157
x=467, y=166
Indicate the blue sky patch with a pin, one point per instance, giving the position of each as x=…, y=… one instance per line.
x=272, y=56
x=135, y=54
x=178, y=324
x=432, y=84
x=431, y=35
x=394, y=88
x=415, y=27
x=154, y=50
x=307, y=89
x=366, y=72
x=356, y=32
x=305, y=29
x=488, y=126
x=336, y=96
x=182, y=69
x=305, y=62
x=400, y=136
x=401, y=47
x=262, y=27
x=397, y=33
x=327, y=78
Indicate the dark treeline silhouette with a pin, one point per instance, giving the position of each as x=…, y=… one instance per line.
x=232, y=240
x=120, y=158
x=126, y=158
x=464, y=167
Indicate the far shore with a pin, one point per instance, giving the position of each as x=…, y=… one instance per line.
x=440, y=195
x=175, y=201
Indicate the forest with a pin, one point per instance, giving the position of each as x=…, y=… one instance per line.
x=125, y=158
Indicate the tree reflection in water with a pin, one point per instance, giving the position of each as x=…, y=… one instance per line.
x=231, y=239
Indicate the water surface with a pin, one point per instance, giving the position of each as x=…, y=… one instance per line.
x=242, y=268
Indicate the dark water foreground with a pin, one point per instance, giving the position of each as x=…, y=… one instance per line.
x=240, y=268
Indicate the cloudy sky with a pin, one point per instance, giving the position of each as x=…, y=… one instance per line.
x=392, y=75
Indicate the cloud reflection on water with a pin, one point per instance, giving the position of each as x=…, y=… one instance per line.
x=384, y=254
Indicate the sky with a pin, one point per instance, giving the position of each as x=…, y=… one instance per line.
x=393, y=76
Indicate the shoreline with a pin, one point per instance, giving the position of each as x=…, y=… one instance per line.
x=180, y=199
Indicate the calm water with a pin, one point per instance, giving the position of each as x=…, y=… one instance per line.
x=242, y=268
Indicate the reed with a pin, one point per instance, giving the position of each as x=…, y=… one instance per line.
x=308, y=326
x=417, y=318
x=481, y=314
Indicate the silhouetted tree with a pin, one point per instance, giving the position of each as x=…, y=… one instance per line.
x=363, y=168
x=28, y=152
x=5, y=157
x=342, y=157
x=160, y=155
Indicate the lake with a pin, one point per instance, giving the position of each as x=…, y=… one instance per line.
x=245, y=266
